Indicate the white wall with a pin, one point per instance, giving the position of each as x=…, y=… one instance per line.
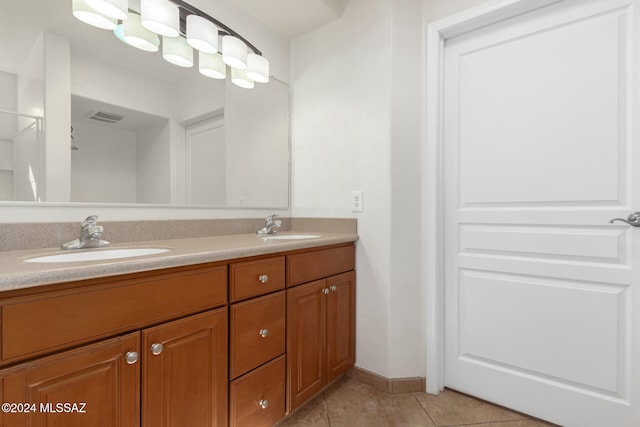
x=257, y=146
x=341, y=126
x=57, y=110
x=104, y=166
x=113, y=84
x=358, y=87
x=8, y=102
x=153, y=164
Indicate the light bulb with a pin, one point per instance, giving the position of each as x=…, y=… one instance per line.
x=116, y=9
x=211, y=65
x=202, y=34
x=177, y=51
x=161, y=17
x=234, y=52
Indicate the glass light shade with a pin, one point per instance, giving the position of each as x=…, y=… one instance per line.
x=177, y=51
x=234, y=52
x=257, y=68
x=134, y=34
x=202, y=34
x=240, y=78
x=211, y=65
x=161, y=17
x=89, y=15
x=116, y=9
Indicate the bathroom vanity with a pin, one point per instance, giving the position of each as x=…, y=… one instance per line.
x=218, y=340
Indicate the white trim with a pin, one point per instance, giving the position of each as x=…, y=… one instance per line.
x=436, y=34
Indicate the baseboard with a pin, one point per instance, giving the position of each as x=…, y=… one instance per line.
x=388, y=385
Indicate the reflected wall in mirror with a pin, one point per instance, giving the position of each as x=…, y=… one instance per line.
x=109, y=123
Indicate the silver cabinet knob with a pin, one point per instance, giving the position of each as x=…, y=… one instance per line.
x=333, y=288
x=156, y=348
x=264, y=403
x=264, y=333
x=326, y=291
x=131, y=357
x=263, y=278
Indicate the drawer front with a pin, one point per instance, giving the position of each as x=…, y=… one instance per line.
x=310, y=266
x=253, y=278
x=257, y=399
x=63, y=319
x=257, y=332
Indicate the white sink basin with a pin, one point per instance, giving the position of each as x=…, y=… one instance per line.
x=98, y=255
x=291, y=237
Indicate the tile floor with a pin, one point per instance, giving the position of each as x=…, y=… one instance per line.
x=351, y=403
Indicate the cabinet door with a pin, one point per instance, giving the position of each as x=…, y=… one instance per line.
x=306, y=341
x=341, y=324
x=184, y=381
x=90, y=386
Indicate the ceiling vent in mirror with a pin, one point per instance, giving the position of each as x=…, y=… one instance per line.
x=105, y=117
x=184, y=28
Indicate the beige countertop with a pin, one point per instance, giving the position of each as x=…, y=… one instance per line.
x=17, y=274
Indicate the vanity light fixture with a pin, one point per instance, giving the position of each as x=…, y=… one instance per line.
x=177, y=51
x=89, y=15
x=160, y=16
x=211, y=65
x=116, y=9
x=184, y=28
x=134, y=34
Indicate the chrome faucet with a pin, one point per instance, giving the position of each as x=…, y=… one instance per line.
x=90, y=235
x=270, y=226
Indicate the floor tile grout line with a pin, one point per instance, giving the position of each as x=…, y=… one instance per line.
x=326, y=409
x=479, y=424
x=424, y=410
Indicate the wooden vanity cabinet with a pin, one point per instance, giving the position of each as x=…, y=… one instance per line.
x=171, y=360
x=320, y=322
x=237, y=343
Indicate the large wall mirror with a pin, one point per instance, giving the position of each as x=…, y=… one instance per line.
x=86, y=118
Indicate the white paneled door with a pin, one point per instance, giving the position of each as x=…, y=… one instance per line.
x=541, y=149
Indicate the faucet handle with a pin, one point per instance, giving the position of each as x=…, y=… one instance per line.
x=269, y=219
x=90, y=220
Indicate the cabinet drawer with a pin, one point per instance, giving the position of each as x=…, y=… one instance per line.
x=257, y=399
x=309, y=266
x=257, y=332
x=33, y=326
x=252, y=278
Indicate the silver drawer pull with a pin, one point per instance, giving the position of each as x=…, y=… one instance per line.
x=264, y=403
x=131, y=357
x=263, y=278
x=156, y=348
x=334, y=288
x=264, y=333
x=326, y=291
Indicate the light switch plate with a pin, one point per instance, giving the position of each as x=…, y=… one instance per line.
x=357, y=204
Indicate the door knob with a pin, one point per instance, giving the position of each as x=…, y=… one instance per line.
x=633, y=219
